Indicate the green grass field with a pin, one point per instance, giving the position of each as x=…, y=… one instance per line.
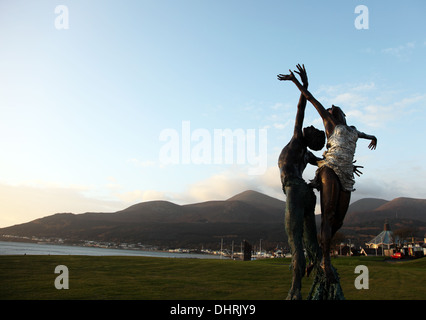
x=32, y=277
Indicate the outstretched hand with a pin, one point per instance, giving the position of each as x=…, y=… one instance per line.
x=291, y=77
x=303, y=75
x=373, y=144
x=356, y=170
x=284, y=77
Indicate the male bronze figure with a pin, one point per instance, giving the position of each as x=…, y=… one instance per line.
x=300, y=198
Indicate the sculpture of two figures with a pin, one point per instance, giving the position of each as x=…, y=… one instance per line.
x=334, y=179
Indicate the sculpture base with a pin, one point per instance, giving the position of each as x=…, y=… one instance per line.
x=322, y=289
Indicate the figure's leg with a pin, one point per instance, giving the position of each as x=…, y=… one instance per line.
x=310, y=232
x=294, y=229
x=330, y=191
x=341, y=210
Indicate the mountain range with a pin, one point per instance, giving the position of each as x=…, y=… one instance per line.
x=249, y=216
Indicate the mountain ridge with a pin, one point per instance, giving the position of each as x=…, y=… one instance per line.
x=249, y=215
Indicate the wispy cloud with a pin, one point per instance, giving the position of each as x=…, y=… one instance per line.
x=136, y=196
x=227, y=183
x=281, y=126
x=401, y=51
x=218, y=186
x=378, y=115
x=368, y=103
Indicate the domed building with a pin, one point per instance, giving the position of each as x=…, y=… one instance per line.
x=384, y=240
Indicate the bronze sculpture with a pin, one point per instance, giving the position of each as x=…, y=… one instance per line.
x=300, y=198
x=334, y=177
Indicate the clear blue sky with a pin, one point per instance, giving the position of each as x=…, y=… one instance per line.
x=82, y=109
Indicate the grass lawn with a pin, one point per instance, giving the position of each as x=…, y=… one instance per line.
x=146, y=278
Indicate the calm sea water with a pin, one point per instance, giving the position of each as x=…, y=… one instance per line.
x=21, y=248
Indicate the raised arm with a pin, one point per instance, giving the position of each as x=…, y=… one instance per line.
x=373, y=139
x=328, y=120
x=301, y=106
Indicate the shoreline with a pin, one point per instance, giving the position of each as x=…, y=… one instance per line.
x=39, y=248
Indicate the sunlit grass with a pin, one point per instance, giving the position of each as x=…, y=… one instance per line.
x=32, y=277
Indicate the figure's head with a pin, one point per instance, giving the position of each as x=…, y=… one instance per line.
x=315, y=139
x=338, y=114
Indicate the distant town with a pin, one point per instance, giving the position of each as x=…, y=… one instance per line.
x=384, y=244
x=230, y=253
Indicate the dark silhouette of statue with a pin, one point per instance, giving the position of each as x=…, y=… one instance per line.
x=300, y=198
x=335, y=174
x=247, y=251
